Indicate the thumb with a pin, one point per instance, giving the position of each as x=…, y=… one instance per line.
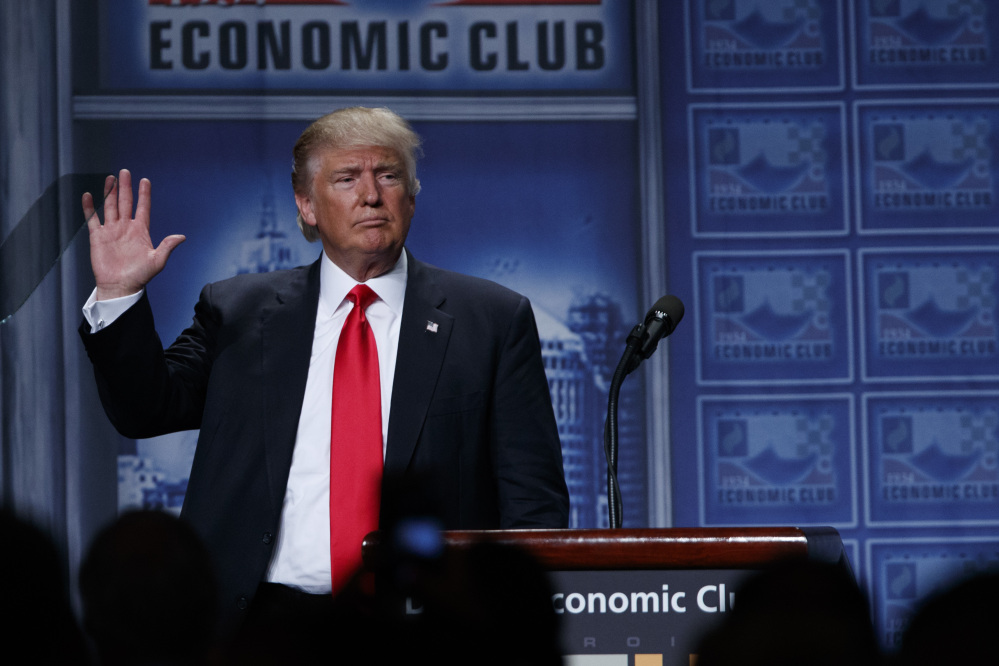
x=168, y=244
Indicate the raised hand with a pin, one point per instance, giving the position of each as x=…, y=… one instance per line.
x=121, y=250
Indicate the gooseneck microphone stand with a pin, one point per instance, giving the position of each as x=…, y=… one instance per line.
x=642, y=343
x=624, y=367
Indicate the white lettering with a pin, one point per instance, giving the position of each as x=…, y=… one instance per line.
x=618, y=602
x=575, y=603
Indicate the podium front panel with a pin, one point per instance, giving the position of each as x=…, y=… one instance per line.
x=640, y=617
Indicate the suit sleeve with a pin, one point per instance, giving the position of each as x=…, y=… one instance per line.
x=527, y=454
x=146, y=390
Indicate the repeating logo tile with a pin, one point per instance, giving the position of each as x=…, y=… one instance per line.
x=927, y=168
x=932, y=459
x=751, y=46
x=905, y=572
x=926, y=43
x=776, y=460
x=773, y=318
x=773, y=171
x=930, y=314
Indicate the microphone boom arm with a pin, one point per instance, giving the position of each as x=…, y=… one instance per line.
x=625, y=366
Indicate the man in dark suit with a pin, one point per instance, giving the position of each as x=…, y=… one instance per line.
x=466, y=414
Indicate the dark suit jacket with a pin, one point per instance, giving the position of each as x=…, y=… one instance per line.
x=471, y=418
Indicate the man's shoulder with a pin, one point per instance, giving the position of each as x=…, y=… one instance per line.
x=469, y=288
x=254, y=288
x=262, y=280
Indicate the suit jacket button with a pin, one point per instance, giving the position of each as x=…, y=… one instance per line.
x=242, y=603
x=268, y=538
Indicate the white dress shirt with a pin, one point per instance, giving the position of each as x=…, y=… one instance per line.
x=301, y=556
x=302, y=552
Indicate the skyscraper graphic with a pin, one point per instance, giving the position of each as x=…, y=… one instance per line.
x=571, y=387
x=269, y=250
x=597, y=320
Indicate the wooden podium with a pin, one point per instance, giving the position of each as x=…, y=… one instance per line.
x=644, y=597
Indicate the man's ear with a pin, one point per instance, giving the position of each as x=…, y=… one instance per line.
x=304, y=203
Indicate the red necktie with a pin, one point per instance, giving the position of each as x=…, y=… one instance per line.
x=355, y=440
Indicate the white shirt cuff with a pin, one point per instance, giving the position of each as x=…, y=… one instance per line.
x=103, y=313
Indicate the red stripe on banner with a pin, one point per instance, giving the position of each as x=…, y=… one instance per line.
x=189, y=3
x=454, y=3
x=481, y=3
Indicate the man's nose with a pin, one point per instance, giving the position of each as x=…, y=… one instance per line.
x=369, y=191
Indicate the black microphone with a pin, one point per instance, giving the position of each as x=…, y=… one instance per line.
x=642, y=343
x=661, y=320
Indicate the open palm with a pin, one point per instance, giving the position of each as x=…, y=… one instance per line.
x=121, y=250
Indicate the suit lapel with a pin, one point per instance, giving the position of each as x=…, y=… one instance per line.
x=423, y=339
x=288, y=326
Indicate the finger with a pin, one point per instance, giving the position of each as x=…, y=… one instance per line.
x=110, y=200
x=144, y=204
x=125, y=194
x=109, y=184
x=89, y=214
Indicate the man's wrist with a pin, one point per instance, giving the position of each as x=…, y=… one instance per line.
x=109, y=292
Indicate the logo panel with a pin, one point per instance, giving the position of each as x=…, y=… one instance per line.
x=777, y=460
x=756, y=46
x=927, y=168
x=933, y=459
x=926, y=43
x=767, y=172
x=773, y=319
x=930, y=315
x=903, y=573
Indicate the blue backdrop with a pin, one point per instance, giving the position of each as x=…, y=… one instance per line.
x=814, y=179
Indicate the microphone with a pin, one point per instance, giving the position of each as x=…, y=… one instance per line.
x=661, y=320
x=642, y=343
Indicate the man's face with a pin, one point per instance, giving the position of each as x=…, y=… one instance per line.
x=360, y=204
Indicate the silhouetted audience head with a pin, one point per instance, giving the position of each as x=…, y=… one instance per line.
x=495, y=601
x=148, y=592
x=485, y=602
x=801, y=613
x=957, y=625
x=38, y=626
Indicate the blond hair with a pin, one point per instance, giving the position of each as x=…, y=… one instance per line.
x=348, y=128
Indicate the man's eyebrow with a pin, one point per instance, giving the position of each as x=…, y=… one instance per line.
x=356, y=166
x=350, y=168
x=387, y=165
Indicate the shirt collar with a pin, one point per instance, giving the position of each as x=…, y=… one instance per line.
x=334, y=284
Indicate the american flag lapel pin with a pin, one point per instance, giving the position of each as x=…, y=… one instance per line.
x=432, y=326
